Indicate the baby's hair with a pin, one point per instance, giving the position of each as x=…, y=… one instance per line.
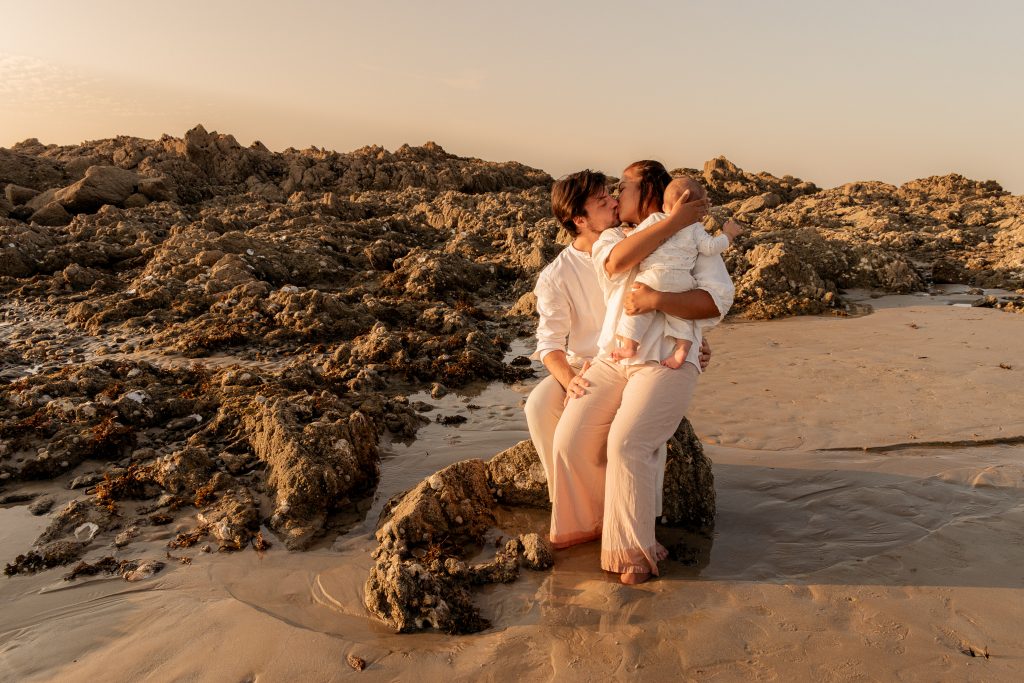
x=675, y=189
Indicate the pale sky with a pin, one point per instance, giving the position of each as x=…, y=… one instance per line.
x=831, y=92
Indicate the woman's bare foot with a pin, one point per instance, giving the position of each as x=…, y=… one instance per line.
x=660, y=552
x=633, y=578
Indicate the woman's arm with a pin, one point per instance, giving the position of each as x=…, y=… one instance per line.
x=712, y=299
x=640, y=245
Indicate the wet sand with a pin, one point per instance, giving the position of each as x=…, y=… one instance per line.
x=870, y=526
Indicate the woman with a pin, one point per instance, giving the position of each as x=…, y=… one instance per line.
x=612, y=493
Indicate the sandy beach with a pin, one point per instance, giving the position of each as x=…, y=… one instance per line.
x=869, y=474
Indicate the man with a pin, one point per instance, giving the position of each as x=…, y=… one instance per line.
x=571, y=304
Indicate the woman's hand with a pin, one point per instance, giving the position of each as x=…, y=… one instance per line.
x=577, y=385
x=688, y=212
x=705, y=354
x=640, y=299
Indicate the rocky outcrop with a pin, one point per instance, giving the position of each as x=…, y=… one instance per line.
x=313, y=467
x=421, y=579
x=220, y=443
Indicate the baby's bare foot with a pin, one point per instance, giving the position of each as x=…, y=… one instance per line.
x=678, y=357
x=624, y=348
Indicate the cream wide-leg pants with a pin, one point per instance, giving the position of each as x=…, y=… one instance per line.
x=605, y=473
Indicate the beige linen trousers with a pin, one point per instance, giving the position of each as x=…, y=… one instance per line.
x=604, y=470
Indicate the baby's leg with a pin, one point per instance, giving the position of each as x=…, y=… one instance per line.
x=684, y=333
x=628, y=334
x=678, y=357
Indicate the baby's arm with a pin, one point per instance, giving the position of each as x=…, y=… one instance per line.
x=708, y=245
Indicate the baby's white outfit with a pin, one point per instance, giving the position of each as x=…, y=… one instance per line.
x=669, y=268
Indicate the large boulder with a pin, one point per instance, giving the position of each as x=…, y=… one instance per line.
x=16, y=194
x=28, y=170
x=52, y=215
x=101, y=185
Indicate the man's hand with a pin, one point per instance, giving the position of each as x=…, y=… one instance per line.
x=705, y=353
x=577, y=385
x=640, y=299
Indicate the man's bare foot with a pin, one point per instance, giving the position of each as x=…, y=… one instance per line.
x=633, y=578
x=678, y=357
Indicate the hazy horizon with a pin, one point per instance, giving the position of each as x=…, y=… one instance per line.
x=828, y=94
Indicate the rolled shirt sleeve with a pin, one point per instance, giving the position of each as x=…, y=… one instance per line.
x=553, y=308
x=713, y=277
x=600, y=253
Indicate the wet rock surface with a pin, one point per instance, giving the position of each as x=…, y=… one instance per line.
x=422, y=578
x=213, y=447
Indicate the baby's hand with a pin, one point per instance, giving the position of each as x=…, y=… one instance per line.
x=733, y=229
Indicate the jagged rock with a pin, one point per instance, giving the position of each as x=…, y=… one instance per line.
x=232, y=519
x=688, y=499
x=312, y=468
x=525, y=305
x=135, y=201
x=518, y=478
x=21, y=166
x=768, y=200
x=52, y=214
x=42, y=199
x=79, y=278
x=537, y=551
x=17, y=195
x=101, y=185
x=75, y=514
x=454, y=503
x=407, y=597
x=55, y=554
x=40, y=506
x=159, y=189
x=143, y=571
x=183, y=471
x=504, y=568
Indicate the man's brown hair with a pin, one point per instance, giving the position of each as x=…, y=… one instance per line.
x=653, y=181
x=571, y=192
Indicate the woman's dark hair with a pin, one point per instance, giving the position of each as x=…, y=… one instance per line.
x=571, y=192
x=653, y=181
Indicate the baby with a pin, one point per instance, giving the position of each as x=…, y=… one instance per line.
x=669, y=269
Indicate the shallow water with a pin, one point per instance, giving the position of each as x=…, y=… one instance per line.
x=938, y=295
x=18, y=529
